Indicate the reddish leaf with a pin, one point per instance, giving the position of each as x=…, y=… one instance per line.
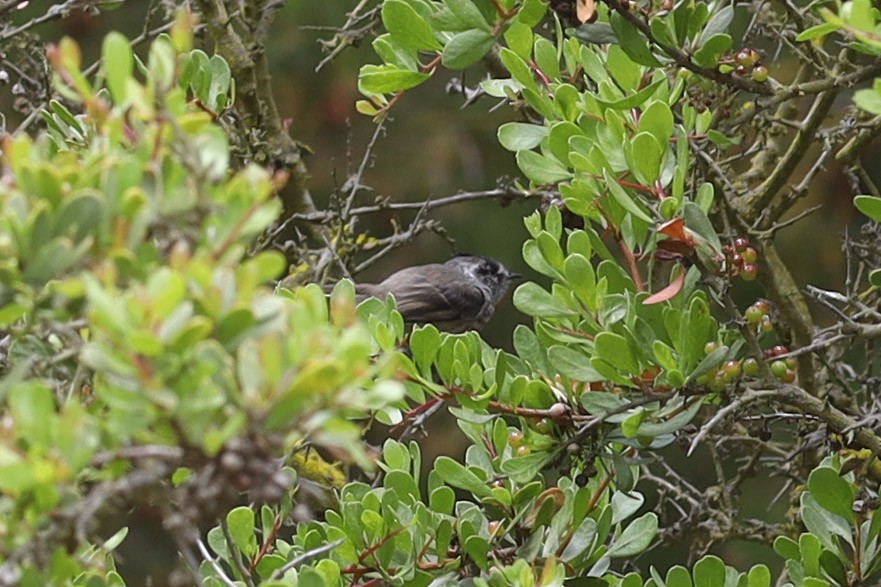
x=672, y=249
x=668, y=292
x=675, y=229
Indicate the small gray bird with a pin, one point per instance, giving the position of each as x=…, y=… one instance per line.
x=455, y=296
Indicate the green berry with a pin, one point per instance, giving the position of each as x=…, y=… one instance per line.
x=544, y=426
x=710, y=347
x=750, y=367
x=766, y=325
x=749, y=255
x=717, y=383
x=760, y=73
x=515, y=439
x=754, y=315
x=732, y=368
x=523, y=451
x=778, y=369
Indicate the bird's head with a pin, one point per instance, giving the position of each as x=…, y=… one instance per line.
x=489, y=272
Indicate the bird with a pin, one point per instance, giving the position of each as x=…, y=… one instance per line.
x=456, y=296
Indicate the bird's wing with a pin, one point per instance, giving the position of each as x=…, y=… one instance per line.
x=447, y=298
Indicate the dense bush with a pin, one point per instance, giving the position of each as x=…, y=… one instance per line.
x=150, y=360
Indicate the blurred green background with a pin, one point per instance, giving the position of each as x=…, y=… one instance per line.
x=434, y=148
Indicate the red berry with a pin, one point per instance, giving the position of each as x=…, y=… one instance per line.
x=740, y=244
x=493, y=527
x=763, y=305
x=788, y=376
x=778, y=350
x=741, y=70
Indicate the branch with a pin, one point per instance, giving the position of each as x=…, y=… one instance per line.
x=683, y=59
x=247, y=60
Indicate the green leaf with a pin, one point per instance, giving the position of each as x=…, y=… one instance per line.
x=868, y=99
x=519, y=136
x=540, y=169
x=870, y=206
x=787, y=548
x=33, y=412
x=709, y=572
x=469, y=14
x=832, y=492
x=519, y=39
x=240, y=522
x=582, y=539
x=646, y=153
x=636, y=538
x=524, y=469
x=633, y=41
x=759, y=576
x=393, y=53
x=678, y=576
x=573, y=364
x=709, y=362
x=581, y=277
x=407, y=27
x=467, y=48
x=161, y=63
x=386, y=79
x=531, y=299
x=598, y=33
x=455, y=474
x=709, y=53
x=623, y=198
x=442, y=500
x=424, y=344
x=617, y=350
x=626, y=72
x=672, y=424
x=634, y=100
x=657, y=120
x=817, y=31
x=719, y=23
x=518, y=68
x=546, y=58
x=117, y=59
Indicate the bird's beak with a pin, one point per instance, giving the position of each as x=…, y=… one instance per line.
x=514, y=276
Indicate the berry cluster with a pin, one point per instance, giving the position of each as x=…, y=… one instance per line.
x=718, y=379
x=747, y=63
x=741, y=259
